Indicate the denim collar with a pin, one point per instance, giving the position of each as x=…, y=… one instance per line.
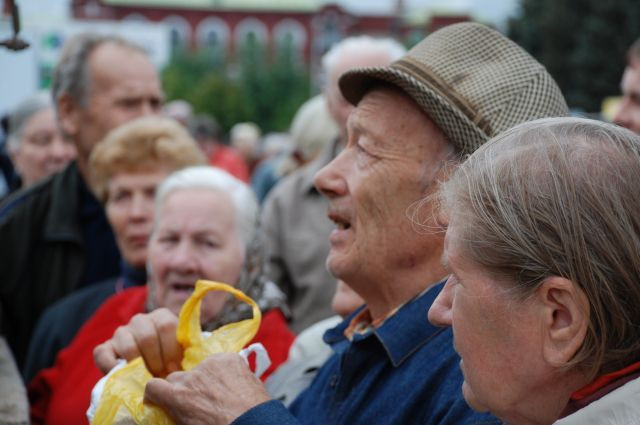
x=410, y=318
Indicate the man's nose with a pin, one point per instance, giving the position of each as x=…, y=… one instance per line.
x=329, y=180
x=147, y=109
x=440, y=311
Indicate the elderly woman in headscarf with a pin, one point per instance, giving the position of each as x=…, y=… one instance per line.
x=35, y=143
x=204, y=228
x=543, y=245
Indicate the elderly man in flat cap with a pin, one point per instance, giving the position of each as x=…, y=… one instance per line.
x=413, y=122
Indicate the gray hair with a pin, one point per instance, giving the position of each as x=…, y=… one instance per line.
x=71, y=74
x=21, y=115
x=244, y=201
x=559, y=197
x=312, y=128
x=355, y=45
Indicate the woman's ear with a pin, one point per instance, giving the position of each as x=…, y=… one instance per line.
x=565, y=321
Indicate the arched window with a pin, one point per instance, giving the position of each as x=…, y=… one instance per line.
x=251, y=31
x=213, y=37
x=179, y=30
x=290, y=36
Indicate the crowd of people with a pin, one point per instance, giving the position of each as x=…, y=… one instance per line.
x=434, y=241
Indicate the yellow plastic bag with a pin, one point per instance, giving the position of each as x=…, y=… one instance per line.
x=121, y=400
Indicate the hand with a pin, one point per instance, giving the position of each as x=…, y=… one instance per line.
x=217, y=391
x=152, y=336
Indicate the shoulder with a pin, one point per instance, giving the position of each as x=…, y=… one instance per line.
x=77, y=306
x=35, y=201
x=128, y=302
x=292, y=190
x=624, y=401
x=18, y=202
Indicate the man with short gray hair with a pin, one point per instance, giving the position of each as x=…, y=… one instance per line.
x=55, y=235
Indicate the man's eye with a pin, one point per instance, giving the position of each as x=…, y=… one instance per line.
x=129, y=103
x=120, y=197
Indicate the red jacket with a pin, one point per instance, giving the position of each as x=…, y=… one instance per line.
x=229, y=160
x=61, y=394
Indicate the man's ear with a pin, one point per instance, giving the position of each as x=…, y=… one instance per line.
x=68, y=115
x=565, y=310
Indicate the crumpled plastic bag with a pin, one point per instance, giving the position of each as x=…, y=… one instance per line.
x=122, y=397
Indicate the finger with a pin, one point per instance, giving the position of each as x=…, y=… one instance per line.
x=148, y=342
x=124, y=344
x=159, y=392
x=104, y=356
x=166, y=324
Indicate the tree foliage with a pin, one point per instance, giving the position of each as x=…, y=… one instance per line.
x=581, y=42
x=259, y=86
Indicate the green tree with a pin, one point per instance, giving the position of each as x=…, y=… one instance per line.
x=581, y=42
x=259, y=87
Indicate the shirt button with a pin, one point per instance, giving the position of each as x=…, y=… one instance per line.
x=333, y=381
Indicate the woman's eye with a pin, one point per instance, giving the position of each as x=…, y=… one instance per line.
x=120, y=196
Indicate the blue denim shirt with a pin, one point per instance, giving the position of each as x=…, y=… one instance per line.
x=403, y=372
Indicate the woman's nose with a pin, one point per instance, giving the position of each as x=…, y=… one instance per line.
x=440, y=311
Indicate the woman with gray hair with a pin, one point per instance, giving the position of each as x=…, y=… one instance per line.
x=204, y=227
x=35, y=144
x=543, y=246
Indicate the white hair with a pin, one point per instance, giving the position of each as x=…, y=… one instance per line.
x=23, y=113
x=358, y=44
x=244, y=201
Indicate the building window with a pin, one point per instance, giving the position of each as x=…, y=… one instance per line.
x=213, y=37
x=290, y=37
x=251, y=34
x=180, y=32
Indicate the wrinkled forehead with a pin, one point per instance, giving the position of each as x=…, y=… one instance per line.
x=203, y=205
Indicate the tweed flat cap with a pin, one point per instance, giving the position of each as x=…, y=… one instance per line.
x=471, y=81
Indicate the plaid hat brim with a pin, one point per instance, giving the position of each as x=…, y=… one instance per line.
x=471, y=81
x=458, y=128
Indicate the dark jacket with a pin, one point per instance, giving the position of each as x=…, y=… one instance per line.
x=42, y=253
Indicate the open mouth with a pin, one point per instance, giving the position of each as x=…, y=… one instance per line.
x=182, y=287
x=340, y=222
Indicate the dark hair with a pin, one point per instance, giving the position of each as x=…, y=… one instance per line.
x=204, y=127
